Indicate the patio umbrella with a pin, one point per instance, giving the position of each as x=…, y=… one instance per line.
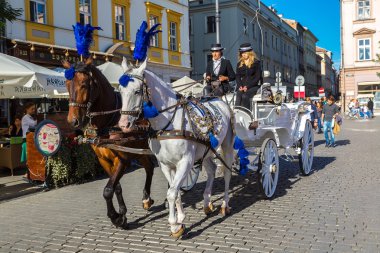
x=112, y=72
x=22, y=79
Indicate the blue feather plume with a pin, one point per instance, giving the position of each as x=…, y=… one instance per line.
x=149, y=110
x=143, y=40
x=124, y=80
x=69, y=73
x=83, y=38
x=213, y=141
x=238, y=143
x=242, y=154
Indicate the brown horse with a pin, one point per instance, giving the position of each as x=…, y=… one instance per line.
x=93, y=102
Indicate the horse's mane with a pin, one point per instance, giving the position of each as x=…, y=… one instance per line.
x=157, y=79
x=98, y=75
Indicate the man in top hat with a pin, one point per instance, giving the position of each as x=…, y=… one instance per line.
x=219, y=73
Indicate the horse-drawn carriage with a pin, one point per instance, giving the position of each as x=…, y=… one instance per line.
x=180, y=132
x=265, y=129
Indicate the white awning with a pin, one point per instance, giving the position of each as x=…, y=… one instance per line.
x=22, y=79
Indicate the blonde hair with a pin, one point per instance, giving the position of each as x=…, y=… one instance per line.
x=251, y=58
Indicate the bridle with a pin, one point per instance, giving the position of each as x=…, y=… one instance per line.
x=90, y=87
x=145, y=98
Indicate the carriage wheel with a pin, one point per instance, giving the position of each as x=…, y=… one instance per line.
x=191, y=178
x=305, y=158
x=268, y=167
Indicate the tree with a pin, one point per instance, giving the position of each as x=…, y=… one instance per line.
x=8, y=13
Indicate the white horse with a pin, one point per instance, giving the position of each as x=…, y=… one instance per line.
x=177, y=156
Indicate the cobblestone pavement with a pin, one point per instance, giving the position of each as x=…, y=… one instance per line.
x=335, y=209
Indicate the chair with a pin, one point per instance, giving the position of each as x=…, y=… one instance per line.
x=10, y=157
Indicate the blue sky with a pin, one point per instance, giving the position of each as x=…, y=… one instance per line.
x=320, y=16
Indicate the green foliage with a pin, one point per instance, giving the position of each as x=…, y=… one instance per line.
x=60, y=166
x=8, y=13
x=73, y=164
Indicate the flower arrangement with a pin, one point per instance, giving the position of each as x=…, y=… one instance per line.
x=69, y=167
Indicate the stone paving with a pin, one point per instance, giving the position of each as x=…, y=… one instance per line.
x=335, y=209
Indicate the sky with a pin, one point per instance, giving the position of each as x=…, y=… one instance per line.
x=322, y=17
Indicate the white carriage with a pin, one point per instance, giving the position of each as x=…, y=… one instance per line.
x=266, y=130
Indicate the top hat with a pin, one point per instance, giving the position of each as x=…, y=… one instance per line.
x=216, y=47
x=245, y=47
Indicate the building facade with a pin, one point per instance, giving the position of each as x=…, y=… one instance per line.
x=273, y=40
x=43, y=34
x=327, y=72
x=360, y=36
x=310, y=61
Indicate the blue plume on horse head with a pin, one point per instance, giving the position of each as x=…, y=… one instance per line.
x=69, y=73
x=125, y=79
x=83, y=37
x=143, y=40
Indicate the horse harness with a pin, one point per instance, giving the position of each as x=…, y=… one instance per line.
x=186, y=104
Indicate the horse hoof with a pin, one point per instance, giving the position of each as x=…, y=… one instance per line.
x=120, y=222
x=209, y=209
x=224, y=211
x=147, y=204
x=179, y=233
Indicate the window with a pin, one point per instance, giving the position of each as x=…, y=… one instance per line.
x=85, y=12
x=38, y=11
x=276, y=44
x=364, y=46
x=211, y=24
x=364, y=9
x=120, y=22
x=272, y=41
x=154, y=41
x=173, y=36
x=254, y=31
x=266, y=38
x=245, y=26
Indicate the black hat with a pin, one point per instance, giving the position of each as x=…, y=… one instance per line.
x=216, y=47
x=245, y=47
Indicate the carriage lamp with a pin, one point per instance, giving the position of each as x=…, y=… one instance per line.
x=94, y=56
x=67, y=53
x=32, y=47
x=51, y=50
x=106, y=57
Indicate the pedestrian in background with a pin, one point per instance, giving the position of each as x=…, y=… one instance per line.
x=329, y=112
x=219, y=73
x=314, y=114
x=370, y=106
x=248, y=75
x=319, y=111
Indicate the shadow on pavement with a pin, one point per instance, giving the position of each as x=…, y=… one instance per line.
x=338, y=142
x=244, y=193
x=13, y=186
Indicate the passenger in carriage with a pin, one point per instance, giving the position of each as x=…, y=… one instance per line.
x=248, y=75
x=219, y=73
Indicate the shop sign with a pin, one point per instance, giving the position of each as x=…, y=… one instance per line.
x=47, y=138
